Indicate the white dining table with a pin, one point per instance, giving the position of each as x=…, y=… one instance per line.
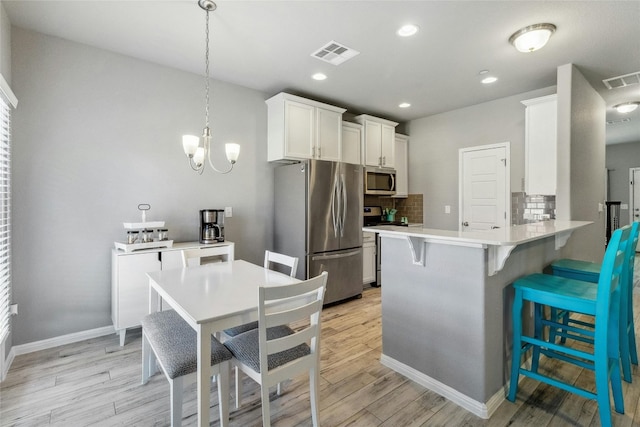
x=211, y=298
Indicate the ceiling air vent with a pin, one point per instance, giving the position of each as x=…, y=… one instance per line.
x=622, y=81
x=334, y=53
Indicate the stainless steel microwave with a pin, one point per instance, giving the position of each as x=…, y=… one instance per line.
x=379, y=181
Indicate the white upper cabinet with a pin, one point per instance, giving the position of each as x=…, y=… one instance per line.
x=378, y=141
x=402, y=167
x=351, y=143
x=541, y=145
x=300, y=128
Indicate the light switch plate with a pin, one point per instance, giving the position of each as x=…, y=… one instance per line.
x=228, y=212
x=447, y=209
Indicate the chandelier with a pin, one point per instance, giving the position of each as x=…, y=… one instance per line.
x=191, y=143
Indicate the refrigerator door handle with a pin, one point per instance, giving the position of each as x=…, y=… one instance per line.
x=344, y=205
x=335, y=256
x=333, y=208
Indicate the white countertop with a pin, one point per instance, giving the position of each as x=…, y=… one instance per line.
x=510, y=236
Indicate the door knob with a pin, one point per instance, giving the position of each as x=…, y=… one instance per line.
x=494, y=227
x=466, y=224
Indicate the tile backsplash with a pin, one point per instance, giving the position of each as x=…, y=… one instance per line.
x=527, y=208
x=411, y=206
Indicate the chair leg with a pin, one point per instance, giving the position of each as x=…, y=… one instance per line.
x=314, y=381
x=633, y=351
x=625, y=355
x=516, y=353
x=175, y=387
x=148, y=360
x=538, y=331
x=266, y=414
x=238, y=373
x=223, y=393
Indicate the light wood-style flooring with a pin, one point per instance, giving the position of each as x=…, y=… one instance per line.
x=97, y=383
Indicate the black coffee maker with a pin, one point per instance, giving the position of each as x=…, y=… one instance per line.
x=211, y=225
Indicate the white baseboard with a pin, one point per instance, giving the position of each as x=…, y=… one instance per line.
x=62, y=340
x=481, y=409
x=6, y=364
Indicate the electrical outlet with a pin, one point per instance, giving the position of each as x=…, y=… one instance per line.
x=228, y=212
x=13, y=309
x=624, y=207
x=447, y=209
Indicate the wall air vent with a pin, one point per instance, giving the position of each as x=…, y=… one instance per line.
x=334, y=53
x=622, y=81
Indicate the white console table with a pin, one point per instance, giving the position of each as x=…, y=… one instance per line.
x=130, y=285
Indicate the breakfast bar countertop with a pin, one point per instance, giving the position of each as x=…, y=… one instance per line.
x=509, y=236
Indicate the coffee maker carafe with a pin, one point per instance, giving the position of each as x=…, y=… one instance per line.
x=211, y=225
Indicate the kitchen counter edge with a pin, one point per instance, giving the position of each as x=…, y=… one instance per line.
x=511, y=236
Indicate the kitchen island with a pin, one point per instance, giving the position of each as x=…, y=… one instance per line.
x=446, y=304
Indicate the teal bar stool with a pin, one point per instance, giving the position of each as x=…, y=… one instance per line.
x=590, y=272
x=601, y=301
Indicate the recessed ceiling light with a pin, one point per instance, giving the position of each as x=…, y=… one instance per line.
x=532, y=38
x=482, y=72
x=627, y=107
x=489, y=80
x=407, y=30
x=319, y=76
x=404, y=105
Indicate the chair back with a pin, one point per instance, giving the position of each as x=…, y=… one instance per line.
x=271, y=258
x=610, y=286
x=283, y=305
x=192, y=257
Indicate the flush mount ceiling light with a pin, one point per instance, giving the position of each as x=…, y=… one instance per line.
x=407, y=30
x=404, y=105
x=319, y=76
x=627, y=107
x=533, y=37
x=191, y=143
x=489, y=80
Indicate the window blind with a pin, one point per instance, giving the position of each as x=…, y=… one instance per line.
x=5, y=218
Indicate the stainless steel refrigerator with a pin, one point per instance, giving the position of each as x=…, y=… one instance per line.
x=318, y=218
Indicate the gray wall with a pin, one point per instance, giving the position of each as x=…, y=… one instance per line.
x=5, y=44
x=581, y=162
x=434, y=145
x=619, y=159
x=97, y=133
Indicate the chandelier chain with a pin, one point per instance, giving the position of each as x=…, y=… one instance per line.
x=206, y=72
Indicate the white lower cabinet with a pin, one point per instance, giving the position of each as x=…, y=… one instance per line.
x=368, y=258
x=130, y=285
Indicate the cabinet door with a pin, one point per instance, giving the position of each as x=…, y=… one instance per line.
x=387, y=143
x=402, y=175
x=132, y=287
x=328, y=135
x=368, y=263
x=372, y=141
x=541, y=146
x=351, y=144
x=299, y=130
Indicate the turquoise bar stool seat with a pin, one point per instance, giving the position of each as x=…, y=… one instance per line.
x=590, y=272
x=601, y=301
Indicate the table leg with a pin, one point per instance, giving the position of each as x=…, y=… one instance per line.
x=154, y=299
x=204, y=374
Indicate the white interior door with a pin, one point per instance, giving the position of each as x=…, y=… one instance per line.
x=484, y=187
x=634, y=194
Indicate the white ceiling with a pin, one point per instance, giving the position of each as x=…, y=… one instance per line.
x=266, y=45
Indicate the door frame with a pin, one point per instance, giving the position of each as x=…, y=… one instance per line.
x=507, y=179
x=632, y=202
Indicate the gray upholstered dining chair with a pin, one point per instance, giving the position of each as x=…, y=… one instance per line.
x=274, y=352
x=169, y=341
